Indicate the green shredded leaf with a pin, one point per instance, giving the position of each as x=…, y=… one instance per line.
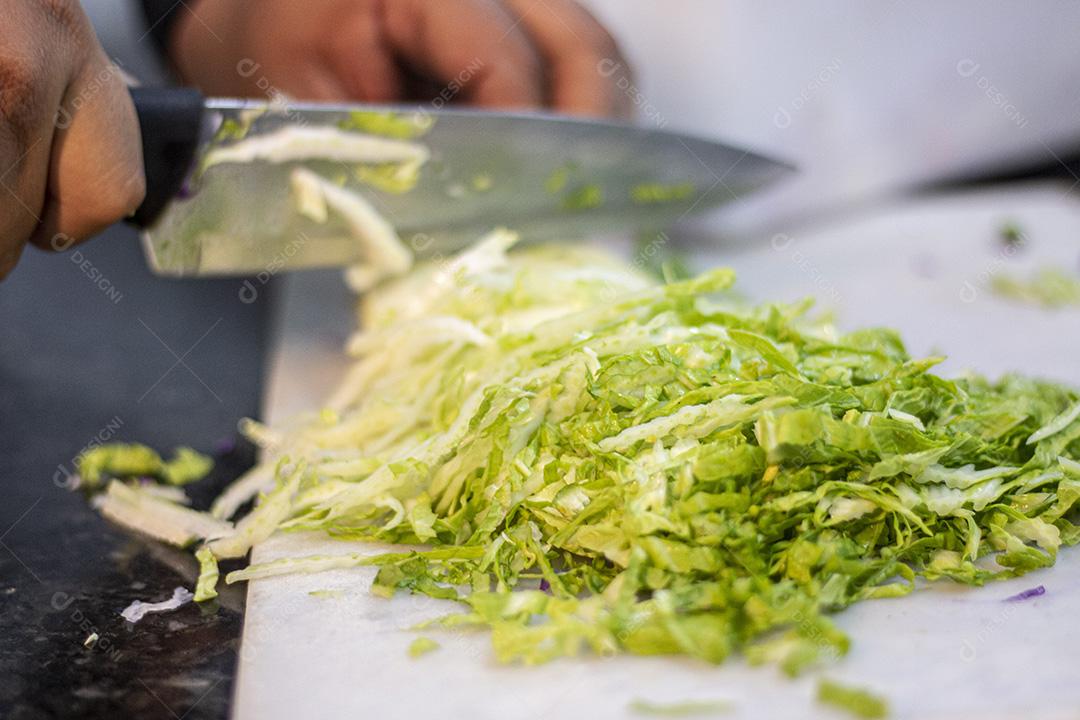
x=482, y=182
x=1049, y=287
x=422, y=646
x=1012, y=234
x=121, y=461
x=1056, y=425
x=652, y=193
x=101, y=463
x=206, y=587
x=584, y=197
x=395, y=178
x=233, y=129
x=401, y=126
x=187, y=466
x=686, y=709
x=330, y=594
x=263, y=520
x=856, y=701
x=557, y=181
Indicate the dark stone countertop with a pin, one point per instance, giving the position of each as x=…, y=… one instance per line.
x=95, y=349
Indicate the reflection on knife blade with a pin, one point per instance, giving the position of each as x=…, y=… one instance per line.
x=318, y=198
x=547, y=177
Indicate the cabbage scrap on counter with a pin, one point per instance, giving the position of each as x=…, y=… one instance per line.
x=589, y=459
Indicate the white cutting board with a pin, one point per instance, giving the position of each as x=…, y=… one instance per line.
x=920, y=266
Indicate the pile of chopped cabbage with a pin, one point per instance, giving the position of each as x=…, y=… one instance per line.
x=588, y=458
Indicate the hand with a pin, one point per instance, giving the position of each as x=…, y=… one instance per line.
x=70, y=155
x=490, y=53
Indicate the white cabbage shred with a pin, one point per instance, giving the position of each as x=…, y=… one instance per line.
x=137, y=610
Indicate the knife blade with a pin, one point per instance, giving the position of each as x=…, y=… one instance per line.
x=216, y=205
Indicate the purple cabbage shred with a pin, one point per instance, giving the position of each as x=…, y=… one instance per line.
x=1027, y=594
x=225, y=446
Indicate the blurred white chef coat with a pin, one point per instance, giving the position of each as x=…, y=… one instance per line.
x=865, y=97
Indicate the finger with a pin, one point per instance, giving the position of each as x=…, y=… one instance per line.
x=473, y=48
x=316, y=83
x=362, y=60
x=96, y=169
x=575, y=48
x=29, y=93
x=23, y=175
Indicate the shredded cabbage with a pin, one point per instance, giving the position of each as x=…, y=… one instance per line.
x=304, y=143
x=1050, y=287
x=856, y=701
x=139, y=609
x=590, y=459
x=120, y=460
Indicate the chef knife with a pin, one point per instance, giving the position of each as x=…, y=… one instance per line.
x=216, y=206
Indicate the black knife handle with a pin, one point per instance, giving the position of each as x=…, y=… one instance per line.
x=171, y=121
